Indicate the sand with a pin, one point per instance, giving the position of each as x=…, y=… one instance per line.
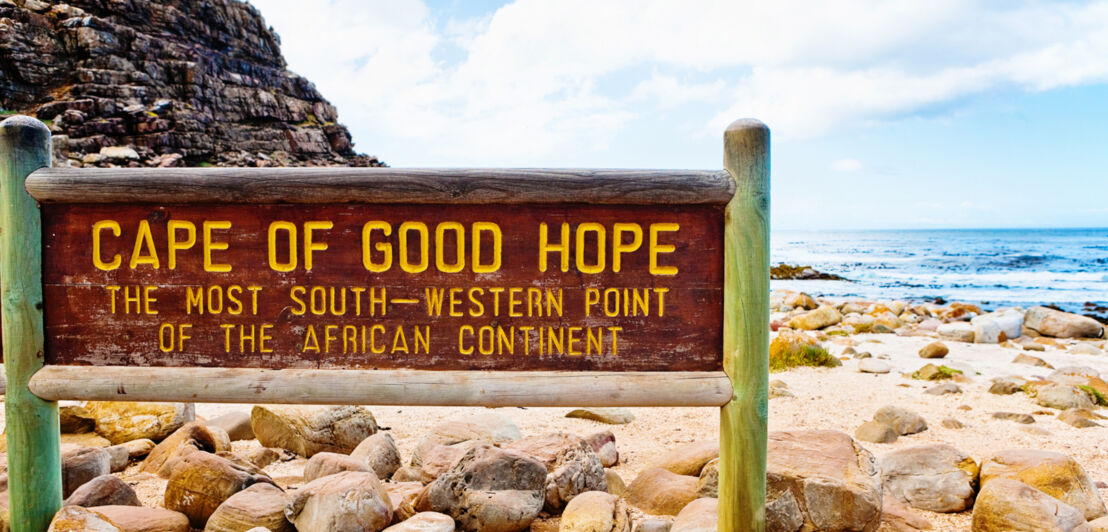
x=825, y=398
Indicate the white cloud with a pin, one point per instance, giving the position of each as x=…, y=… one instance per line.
x=537, y=79
x=846, y=165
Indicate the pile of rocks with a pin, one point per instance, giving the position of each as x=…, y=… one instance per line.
x=481, y=474
x=955, y=322
x=164, y=83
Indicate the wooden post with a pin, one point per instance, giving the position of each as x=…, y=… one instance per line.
x=34, y=464
x=742, y=463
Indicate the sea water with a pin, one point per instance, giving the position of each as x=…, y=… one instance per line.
x=992, y=267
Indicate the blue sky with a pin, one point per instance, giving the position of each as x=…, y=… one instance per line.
x=911, y=114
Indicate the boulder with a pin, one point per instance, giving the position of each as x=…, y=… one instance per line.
x=708, y=483
x=119, y=457
x=379, y=452
x=403, y=496
x=701, y=515
x=571, y=464
x=937, y=478
x=899, y=518
x=424, y=522
x=104, y=490
x=595, y=511
x=616, y=485
x=874, y=365
x=653, y=525
x=262, y=457
x=1031, y=361
x=201, y=481
x=943, y=389
x=81, y=465
x=876, y=432
x=902, y=420
x=307, y=430
x=824, y=316
x=121, y=421
x=486, y=426
x=1006, y=385
x=258, y=505
x=1055, y=474
x=1058, y=324
x=74, y=419
x=659, y=491
x=1081, y=418
x=1006, y=505
x=958, y=331
x=323, y=464
x=1062, y=396
x=604, y=445
x=689, y=459
x=489, y=490
x=1026, y=419
x=934, y=350
x=191, y=437
x=821, y=480
x=141, y=519
x=440, y=458
x=611, y=416
x=236, y=424
x=77, y=519
x=1099, y=525
x=952, y=423
x=139, y=448
x=1084, y=348
x=351, y=501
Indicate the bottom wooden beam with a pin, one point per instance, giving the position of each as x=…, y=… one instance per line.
x=382, y=387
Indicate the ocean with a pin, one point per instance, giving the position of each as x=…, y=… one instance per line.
x=991, y=267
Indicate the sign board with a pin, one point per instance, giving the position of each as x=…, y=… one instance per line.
x=477, y=287
x=515, y=287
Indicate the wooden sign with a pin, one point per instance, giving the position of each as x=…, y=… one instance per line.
x=470, y=287
x=520, y=287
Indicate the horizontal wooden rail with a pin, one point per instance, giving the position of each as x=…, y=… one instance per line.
x=382, y=387
x=379, y=185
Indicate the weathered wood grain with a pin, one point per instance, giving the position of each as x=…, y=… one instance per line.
x=82, y=329
x=34, y=464
x=379, y=185
x=383, y=387
x=743, y=421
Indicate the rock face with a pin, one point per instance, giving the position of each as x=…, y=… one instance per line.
x=139, y=519
x=77, y=519
x=658, y=491
x=164, y=83
x=937, y=477
x=821, y=480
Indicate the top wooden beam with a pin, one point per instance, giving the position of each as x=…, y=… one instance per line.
x=379, y=185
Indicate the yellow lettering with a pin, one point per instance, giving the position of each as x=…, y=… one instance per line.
x=497, y=240
x=657, y=249
x=290, y=229
x=461, y=340
x=545, y=247
x=619, y=247
x=212, y=245
x=459, y=247
x=97, y=227
x=582, y=230
x=295, y=293
x=144, y=239
x=311, y=342
x=384, y=247
x=310, y=245
x=176, y=245
x=424, y=247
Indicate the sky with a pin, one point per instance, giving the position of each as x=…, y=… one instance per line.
x=883, y=115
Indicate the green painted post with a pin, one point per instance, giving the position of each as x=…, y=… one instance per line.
x=34, y=462
x=742, y=462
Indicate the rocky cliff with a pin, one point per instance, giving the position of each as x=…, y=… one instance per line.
x=164, y=83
